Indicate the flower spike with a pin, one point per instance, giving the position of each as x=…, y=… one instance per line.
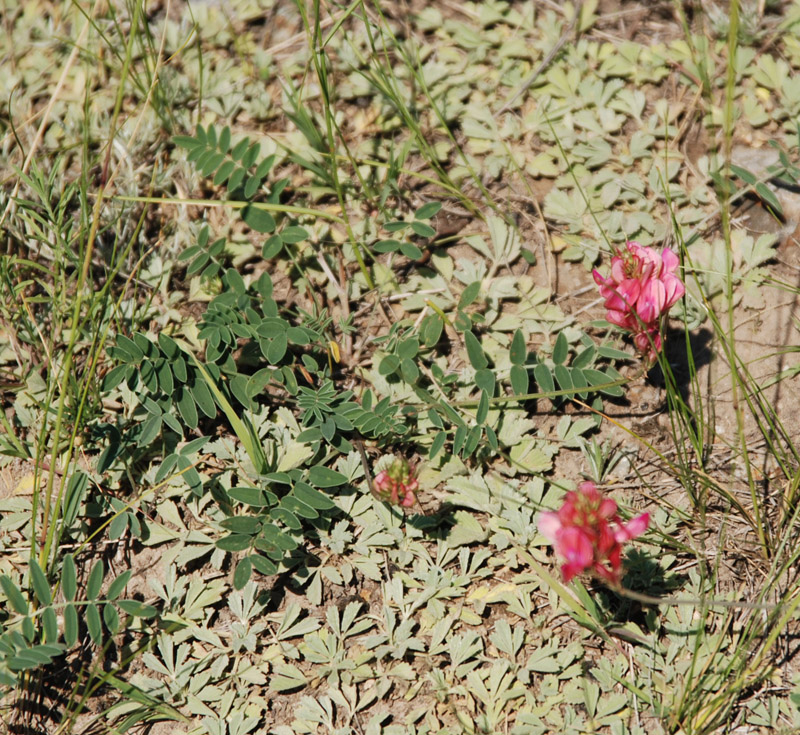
x=588, y=534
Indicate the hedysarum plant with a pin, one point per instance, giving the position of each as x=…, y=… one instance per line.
x=588, y=533
x=641, y=287
x=397, y=484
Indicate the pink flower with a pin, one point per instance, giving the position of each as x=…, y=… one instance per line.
x=397, y=484
x=588, y=534
x=640, y=289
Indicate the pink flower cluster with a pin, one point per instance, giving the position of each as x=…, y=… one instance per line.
x=640, y=289
x=397, y=484
x=588, y=534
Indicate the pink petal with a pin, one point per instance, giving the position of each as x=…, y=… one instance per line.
x=674, y=290
x=569, y=570
x=607, y=508
x=651, y=302
x=382, y=481
x=623, y=319
x=647, y=341
x=632, y=528
x=624, y=297
x=670, y=261
x=549, y=526
x=575, y=546
x=617, y=274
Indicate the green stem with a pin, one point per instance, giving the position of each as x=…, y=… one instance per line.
x=49, y=522
x=232, y=204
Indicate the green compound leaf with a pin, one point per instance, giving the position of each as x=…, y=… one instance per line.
x=289, y=519
x=70, y=625
x=41, y=586
x=518, y=352
x=430, y=330
x=472, y=440
x=469, y=294
x=458, y=439
x=769, y=197
x=95, y=581
x=477, y=358
x=386, y=246
x=389, y=365
x=223, y=172
x=422, y=229
x=111, y=618
x=263, y=565
x=314, y=498
x=519, y=380
x=186, y=141
x=293, y=505
x=596, y=377
x=579, y=381
x=239, y=149
x=612, y=353
x=248, y=525
x=34, y=657
x=14, y=595
x=130, y=349
x=258, y=219
x=50, y=624
x=561, y=349
x=249, y=158
x=273, y=535
x=224, y=139
x=137, y=609
x=234, y=542
x=241, y=575
x=563, y=377
x=325, y=477
x=428, y=210
x=93, y=623
x=544, y=378
x=236, y=179
x=69, y=577
x=485, y=380
x=438, y=444
x=483, y=408
x=744, y=174
x=251, y=496
x=203, y=398
x=585, y=357
x=409, y=370
x=116, y=588
x=491, y=437
x=293, y=234
x=187, y=407
x=411, y=251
